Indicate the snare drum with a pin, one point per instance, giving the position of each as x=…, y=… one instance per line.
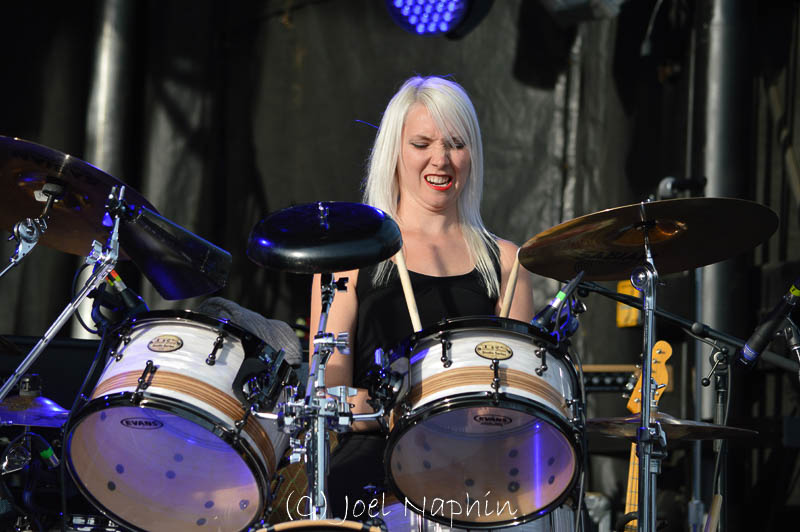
x=485, y=433
x=157, y=446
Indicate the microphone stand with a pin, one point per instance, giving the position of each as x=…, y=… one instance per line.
x=720, y=369
x=700, y=329
x=719, y=359
x=104, y=259
x=792, y=335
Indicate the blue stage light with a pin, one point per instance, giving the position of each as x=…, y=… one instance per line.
x=428, y=17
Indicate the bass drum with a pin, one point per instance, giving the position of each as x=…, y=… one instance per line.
x=485, y=434
x=157, y=447
x=321, y=525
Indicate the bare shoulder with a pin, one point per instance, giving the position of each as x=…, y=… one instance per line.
x=508, y=253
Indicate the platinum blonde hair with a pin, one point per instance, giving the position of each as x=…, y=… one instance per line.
x=454, y=114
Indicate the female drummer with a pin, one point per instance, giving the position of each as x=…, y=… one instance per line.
x=426, y=172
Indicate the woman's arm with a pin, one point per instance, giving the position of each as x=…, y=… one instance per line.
x=522, y=301
x=342, y=317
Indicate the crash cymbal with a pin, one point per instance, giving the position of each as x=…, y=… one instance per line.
x=676, y=429
x=324, y=237
x=76, y=218
x=683, y=234
x=33, y=411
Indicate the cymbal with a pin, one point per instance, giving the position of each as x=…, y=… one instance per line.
x=676, y=429
x=76, y=218
x=683, y=234
x=324, y=237
x=31, y=410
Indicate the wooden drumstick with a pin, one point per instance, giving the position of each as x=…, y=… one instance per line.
x=509, y=295
x=405, y=281
x=713, y=514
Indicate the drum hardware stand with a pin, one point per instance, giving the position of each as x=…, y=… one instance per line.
x=385, y=386
x=317, y=410
x=104, y=259
x=261, y=388
x=28, y=231
x=651, y=438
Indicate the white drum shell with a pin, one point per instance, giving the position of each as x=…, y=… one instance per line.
x=425, y=362
x=477, y=421
x=216, y=484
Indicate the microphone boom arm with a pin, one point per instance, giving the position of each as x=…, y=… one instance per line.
x=704, y=330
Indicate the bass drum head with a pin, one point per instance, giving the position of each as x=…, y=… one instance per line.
x=195, y=480
x=481, y=464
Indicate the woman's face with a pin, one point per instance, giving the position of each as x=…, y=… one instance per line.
x=432, y=170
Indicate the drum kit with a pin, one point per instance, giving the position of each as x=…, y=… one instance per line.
x=192, y=416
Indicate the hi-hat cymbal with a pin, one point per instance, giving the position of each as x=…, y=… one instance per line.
x=683, y=234
x=324, y=237
x=31, y=410
x=76, y=218
x=676, y=429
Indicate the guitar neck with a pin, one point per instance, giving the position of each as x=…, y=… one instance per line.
x=632, y=495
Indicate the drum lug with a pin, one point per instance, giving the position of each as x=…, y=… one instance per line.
x=212, y=357
x=577, y=411
x=446, y=345
x=142, y=383
x=125, y=338
x=541, y=352
x=496, y=380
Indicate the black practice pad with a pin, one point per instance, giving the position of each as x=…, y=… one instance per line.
x=324, y=237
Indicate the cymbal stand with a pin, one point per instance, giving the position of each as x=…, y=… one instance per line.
x=28, y=231
x=651, y=438
x=104, y=258
x=318, y=412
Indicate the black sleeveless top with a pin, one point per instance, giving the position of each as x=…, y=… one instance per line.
x=383, y=319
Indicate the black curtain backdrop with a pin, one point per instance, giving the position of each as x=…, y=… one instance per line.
x=244, y=108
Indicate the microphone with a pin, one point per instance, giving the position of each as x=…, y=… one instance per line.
x=544, y=317
x=133, y=302
x=765, y=332
x=44, y=450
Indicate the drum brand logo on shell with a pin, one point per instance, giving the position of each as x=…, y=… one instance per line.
x=141, y=423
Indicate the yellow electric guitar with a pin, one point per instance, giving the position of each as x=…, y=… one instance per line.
x=661, y=352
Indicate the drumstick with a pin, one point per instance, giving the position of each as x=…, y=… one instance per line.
x=405, y=280
x=713, y=514
x=509, y=295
